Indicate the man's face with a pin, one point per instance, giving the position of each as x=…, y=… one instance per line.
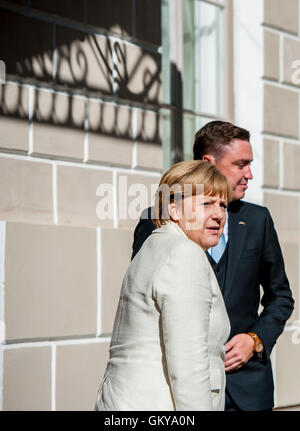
x=235, y=165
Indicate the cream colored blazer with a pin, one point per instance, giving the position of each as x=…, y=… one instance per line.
x=167, y=347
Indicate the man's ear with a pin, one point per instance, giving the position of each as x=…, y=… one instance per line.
x=209, y=158
x=173, y=211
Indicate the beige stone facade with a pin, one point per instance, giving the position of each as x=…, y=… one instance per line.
x=281, y=172
x=79, y=110
x=82, y=108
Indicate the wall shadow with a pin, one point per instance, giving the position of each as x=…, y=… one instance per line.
x=90, y=63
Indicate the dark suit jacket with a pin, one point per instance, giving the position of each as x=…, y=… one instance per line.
x=254, y=259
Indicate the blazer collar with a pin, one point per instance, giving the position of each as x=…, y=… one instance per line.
x=170, y=227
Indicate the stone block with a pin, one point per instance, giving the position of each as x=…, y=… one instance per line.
x=80, y=195
x=271, y=163
x=27, y=379
x=287, y=370
x=285, y=213
x=79, y=371
x=50, y=281
x=26, y=191
x=281, y=111
x=282, y=15
x=116, y=253
x=271, y=57
x=291, y=166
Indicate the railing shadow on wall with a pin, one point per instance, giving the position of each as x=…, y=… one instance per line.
x=76, y=63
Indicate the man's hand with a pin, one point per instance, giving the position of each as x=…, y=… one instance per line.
x=238, y=352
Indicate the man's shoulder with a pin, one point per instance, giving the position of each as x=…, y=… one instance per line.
x=248, y=208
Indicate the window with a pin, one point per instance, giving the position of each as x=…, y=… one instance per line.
x=202, y=62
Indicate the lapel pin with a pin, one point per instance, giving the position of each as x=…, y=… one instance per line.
x=242, y=222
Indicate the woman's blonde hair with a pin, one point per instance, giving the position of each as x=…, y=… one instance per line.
x=197, y=176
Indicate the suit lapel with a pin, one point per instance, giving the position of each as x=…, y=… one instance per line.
x=237, y=231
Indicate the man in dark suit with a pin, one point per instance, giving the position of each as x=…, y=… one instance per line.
x=248, y=255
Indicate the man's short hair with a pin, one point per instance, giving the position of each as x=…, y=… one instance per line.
x=215, y=136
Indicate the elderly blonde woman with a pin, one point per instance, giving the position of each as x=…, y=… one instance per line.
x=167, y=346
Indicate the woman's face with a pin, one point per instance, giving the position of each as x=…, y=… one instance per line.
x=202, y=218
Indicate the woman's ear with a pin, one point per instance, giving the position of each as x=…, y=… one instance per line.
x=173, y=211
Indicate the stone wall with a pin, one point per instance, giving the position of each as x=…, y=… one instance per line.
x=282, y=169
x=80, y=108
